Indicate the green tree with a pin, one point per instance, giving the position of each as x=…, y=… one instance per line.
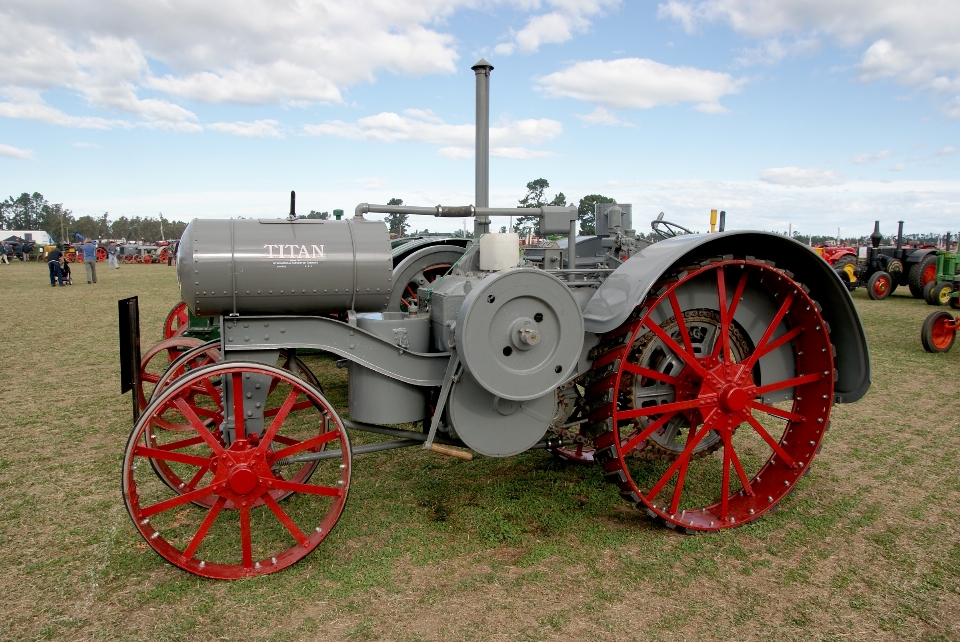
x=323, y=216
x=586, y=212
x=535, y=198
x=396, y=222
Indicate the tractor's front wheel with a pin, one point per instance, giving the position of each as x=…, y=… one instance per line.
x=746, y=406
x=939, y=331
x=940, y=293
x=289, y=447
x=879, y=286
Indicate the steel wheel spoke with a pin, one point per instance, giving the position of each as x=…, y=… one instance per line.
x=278, y=420
x=166, y=455
x=688, y=358
x=737, y=295
x=635, y=440
x=673, y=406
x=285, y=520
x=199, y=426
x=789, y=383
x=728, y=444
x=326, y=491
x=724, y=316
x=303, y=405
x=776, y=343
x=681, y=322
x=204, y=528
x=313, y=442
x=238, y=404
x=245, y=545
x=684, y=456
x=173, y=502
x=650, y=374
x=787, y=459
x=183, y=443
x=725, y=479
x=678, y=489
x=778, y=317
x=776, y=412
x=198, y=476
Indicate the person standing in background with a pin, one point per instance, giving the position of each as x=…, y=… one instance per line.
x=53, y=262
x=3, y=253
x=90, y=260
x=112, y=252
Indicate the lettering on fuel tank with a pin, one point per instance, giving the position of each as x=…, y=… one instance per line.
x=294, y=252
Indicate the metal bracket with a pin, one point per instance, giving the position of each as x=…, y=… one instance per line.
x=453, y=370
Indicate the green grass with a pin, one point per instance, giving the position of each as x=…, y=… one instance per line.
x=525, y=548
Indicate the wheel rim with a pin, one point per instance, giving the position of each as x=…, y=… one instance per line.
x=941, y=332
x=929, y=274
x=148, y=258
x=101, y=254
x=881, y=285
x=177, y=321
x=247, y=474
x=944, y=295
x=763, y=448
x=128, y=258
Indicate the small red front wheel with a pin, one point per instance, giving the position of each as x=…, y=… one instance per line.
x=101, y=255
x=939, y=331
x=156, y=361
x=250, y=461
x=879, y=286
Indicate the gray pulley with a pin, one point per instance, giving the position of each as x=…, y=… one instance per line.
x=494, y=426
x=519, y=333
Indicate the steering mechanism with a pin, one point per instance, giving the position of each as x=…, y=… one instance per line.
x=666, y=229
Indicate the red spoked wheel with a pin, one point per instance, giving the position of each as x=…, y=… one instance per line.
x=939, y=331
x=101, y=255
x=240, y=464
x=78, y=257
x=177, y=322
x=137, y=258
x=162, y=257
x=156, y=361
x=128, y=258
x=879, y=286
x=148, y=258
x=739, y=414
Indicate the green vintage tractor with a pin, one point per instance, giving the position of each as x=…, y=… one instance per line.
x=945, y=288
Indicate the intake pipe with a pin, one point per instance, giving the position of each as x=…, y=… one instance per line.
x=481, y=224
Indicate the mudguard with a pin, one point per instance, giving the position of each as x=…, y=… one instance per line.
x=402, y=251
x=626, y=287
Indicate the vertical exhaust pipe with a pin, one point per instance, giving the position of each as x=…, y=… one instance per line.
x=481, y=224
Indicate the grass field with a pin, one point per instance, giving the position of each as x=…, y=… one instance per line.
x=526, y=548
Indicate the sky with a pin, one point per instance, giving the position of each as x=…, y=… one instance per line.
x=808, y=114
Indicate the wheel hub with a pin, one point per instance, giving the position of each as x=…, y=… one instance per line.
x=733, y=399
x=242, y=479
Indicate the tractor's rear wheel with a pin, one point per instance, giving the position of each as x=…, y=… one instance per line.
x=101, y=255
x=938, y=332
x=922, y=273
x=177, y=321
x=154, y=364
x=248, y=469
x=756, y=431
x=879, y=286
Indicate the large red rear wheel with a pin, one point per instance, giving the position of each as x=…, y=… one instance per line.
x=177, y=322
x=290, y=445
x=101, y=255
x=148, y=258
x=738, y=415
x=128, y=258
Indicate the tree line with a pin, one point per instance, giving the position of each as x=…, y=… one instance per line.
x=33, y=212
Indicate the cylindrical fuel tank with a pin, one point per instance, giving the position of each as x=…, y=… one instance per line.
x=276, y=266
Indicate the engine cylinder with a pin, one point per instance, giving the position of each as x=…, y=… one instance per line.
x=276, y=266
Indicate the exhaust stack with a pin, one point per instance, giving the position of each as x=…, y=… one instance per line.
x=482, y=69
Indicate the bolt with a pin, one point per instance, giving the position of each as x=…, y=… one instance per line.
x=342, y=466
x=786, y=483
x=769, y=498
x=202, y=564
x=751, y=511
x=273, y=560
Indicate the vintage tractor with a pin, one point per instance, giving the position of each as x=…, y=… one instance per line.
x=945, y=286
x=842, y=258
x=882, y=269
x=699, y=372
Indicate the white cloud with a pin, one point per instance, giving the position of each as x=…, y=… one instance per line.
x=507, y=139
x=915, y=43
x=639, y=83
x=568, y=18
x=82, y=144
x=774, y=50
x=866, y=159
x=15, y=152
x=797, y=177
x=24, y=103
x=257, y=129
x=899, y=167
x=945, y=151
x=601, y=116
